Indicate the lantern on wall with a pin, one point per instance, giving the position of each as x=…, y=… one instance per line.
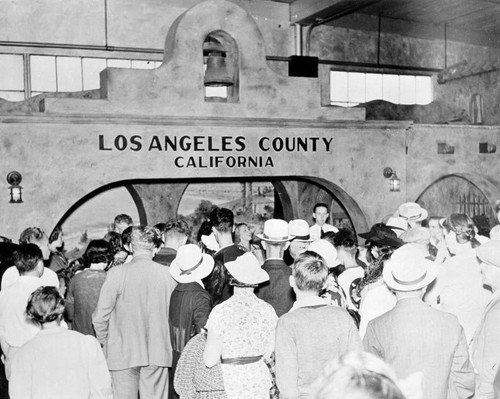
x=16, y=191
x=394, y=181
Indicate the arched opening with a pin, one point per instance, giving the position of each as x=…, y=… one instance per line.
x=461, y=193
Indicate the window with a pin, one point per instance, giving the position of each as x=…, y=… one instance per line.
x=348, y=89
x=49, y=73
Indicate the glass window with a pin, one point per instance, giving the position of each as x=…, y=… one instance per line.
x=424, y=92
x=92, y=67
x=390, y=88
x=140, y=64
x=11, y=72
x=407, y=89
x=373, y=86
x=43, y=73
x=69, y=74
x=357, y=87
x=338, y=86
x=114, y=63
x=12, y=95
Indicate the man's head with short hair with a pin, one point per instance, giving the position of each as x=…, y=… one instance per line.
x=320, y=213
x=121, y=222
x=144, y=239
x=35, y=235
x=45, y=305
x=309, y=272
x=222, y=220
x=27, y=258
x=176, y=233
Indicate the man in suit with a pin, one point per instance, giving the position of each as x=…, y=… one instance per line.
x=485, y=346
x=131, y=321
x=277, y=291
x=415, y=338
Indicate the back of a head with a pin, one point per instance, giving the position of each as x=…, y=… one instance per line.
x=357, y=375
x=463, y=226
x=45, y=305
x=115, y=241
x=222, y=219
x=144, y=238
x=344, y=238
x=123, y=218
x=176, y=227
x=30, y=235
x=310, y=271
x=27, y=257
x=98, y=251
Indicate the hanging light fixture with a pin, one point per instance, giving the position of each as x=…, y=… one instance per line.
x=394, y=181
x=16, y=195
x=216, y=74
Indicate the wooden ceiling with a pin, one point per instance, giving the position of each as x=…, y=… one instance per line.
x=474, y=21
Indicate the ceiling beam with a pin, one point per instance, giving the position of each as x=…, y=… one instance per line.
x=306, y=12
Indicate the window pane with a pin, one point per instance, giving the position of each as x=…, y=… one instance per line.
x=11, y=72
x=91, y=69
x=390, y=88
x=158, y=63
x=407, y=89
x=356, y=85
x=216, y=92
x=338, y=86
x=373, y=86
x=12, y=95
x=424, y=90
x=118, y=63
x=139, y=64
x=43, y=73
x=69, y=74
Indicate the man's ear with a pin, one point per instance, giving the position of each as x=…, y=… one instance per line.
x=287, y=245
x=233, y=229
x=184, y=240
x=291, y=280
x=314, y=215
x=263, y=243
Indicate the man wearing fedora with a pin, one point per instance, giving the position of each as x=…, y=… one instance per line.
x=190, y=303
x=485, y=346
x=131, y=320
x=299, y=229
x=277, y=292
x=415, y=338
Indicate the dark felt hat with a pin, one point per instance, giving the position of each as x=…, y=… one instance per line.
x=380, y=234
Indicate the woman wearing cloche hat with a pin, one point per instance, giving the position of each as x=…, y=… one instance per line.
x=241, y=333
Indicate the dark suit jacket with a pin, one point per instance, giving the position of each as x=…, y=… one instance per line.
x=277, y=291
x=165, y=256
x=413, y=337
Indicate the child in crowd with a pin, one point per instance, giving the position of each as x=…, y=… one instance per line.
x=300, y=358
x=57, y=363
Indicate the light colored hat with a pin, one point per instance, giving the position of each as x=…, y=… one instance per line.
x=190, y=264
x=275, y=230
x=397, y=224
x=412, y=211
x=299, y=228
x=417, y=235
x=489, y=253
x=326, y=250
x=210, y=242
x=246, y=269
x=495, y=232
x=408, y=269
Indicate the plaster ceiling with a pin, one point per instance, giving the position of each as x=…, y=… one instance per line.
x=474, y=21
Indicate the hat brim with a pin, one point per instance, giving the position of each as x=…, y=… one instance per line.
x=385, y=241
x=275, y=239
x=416, y=218
x=430, y=276
x=200, y=272
x=306, y=238
x=256, y=276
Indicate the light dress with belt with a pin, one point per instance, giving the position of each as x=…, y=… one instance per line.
x=246, y=325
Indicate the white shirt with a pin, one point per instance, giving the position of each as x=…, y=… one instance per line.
x=48, y=278
x=315, y=230
x=15, y=328
x=376, y=299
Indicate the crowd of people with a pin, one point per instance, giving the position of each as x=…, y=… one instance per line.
x=293, y=311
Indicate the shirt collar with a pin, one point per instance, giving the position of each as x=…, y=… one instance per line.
x=308, y=301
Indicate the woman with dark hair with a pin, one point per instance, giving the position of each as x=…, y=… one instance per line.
x=375, y=298
x=458, y=288
x=206, y=239
x=85, y=286
x=241, y=333
x=57, y=363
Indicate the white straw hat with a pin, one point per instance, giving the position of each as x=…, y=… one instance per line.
x=275, y=230
x=190, y=264
x=299, y=229
x=412, y=211
x=246, y=269
x=408, y=269
x=327, y=250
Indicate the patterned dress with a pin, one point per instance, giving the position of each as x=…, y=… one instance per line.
x=246, y=325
